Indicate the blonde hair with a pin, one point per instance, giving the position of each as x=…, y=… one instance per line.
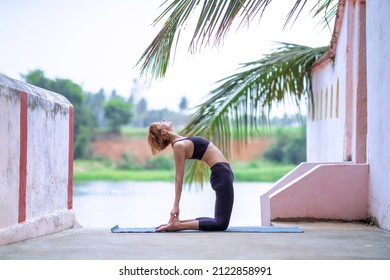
x=155, y=139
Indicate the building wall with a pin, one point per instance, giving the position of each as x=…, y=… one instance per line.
x=337, y=131
x=36, y=162
x=326, y=120
x=360, y=133
x=378, y=108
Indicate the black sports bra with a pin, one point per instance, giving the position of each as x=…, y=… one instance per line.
x=200, y=146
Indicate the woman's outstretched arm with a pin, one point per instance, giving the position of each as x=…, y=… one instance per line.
x=179, y=156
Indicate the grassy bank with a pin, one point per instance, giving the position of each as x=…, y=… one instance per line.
x=257, y=171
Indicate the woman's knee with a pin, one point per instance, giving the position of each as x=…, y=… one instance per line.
x=222, y=225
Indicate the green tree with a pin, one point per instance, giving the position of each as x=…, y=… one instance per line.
x=178, y=119
x=139, y=102
x=183, y=105
x=83, y=119
x=242, y=101
x=117, y=112
x=142, y=110
x=95, y=101
x=295, y=151
x=37, y=78
x=114, y=94
x=289, y=146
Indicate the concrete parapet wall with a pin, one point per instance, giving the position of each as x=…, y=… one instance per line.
x=289, y=177
x=36, y=161
x=326, y=191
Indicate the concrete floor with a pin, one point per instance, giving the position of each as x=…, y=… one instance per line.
x=326, y=241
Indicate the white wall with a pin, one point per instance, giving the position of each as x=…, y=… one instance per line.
x=9, y=162
x=36, y=161
x=326, y=129
x=378, y=108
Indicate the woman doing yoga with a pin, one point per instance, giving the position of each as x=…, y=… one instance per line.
x=161, y=134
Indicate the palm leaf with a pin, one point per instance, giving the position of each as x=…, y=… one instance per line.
x=296, y=9
x=329, y=10
x=241, y=103
x=215, y=20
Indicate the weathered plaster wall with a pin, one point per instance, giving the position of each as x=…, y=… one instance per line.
x=9, y=162
x=326, y=121
x=36, y=159
x=327, y=191
x=378, y=107
x=360, y=133
x=337, y=130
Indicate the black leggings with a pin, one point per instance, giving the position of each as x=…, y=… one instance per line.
x=221, y=180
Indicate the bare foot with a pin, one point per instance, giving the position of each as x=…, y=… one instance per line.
x=174, y=226
x=160, y=226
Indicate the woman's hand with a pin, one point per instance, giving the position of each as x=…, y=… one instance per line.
x=174, y=214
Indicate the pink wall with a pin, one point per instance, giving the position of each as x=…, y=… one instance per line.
x=327, y=191
x=265, y=203
x=333, y=191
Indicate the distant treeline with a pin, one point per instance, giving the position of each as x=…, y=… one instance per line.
x=102, y=111
x=111, y=112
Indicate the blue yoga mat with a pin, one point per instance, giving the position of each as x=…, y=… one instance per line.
x=250, y=229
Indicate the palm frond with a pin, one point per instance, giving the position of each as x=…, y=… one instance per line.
x=329, y=10
x=296, y=10
x=214, y=22
x=196, y=171
x=241, y=103
x=157, y=55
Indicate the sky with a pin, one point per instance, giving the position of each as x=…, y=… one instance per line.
x=97, y=43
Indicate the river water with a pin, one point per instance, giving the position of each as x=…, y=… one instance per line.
x=147, y=204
